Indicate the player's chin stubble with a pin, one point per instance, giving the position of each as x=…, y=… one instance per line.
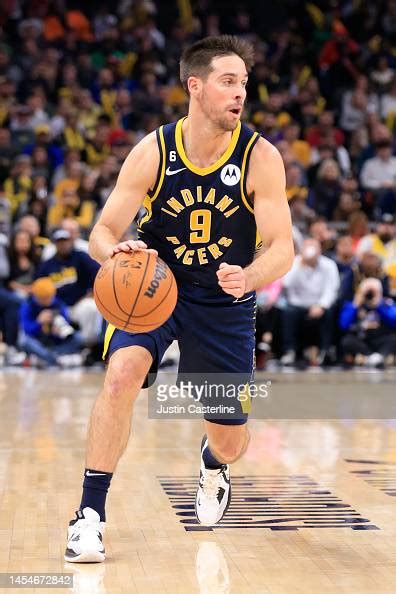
x=227, y=124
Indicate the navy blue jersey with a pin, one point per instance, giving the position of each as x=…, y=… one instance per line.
x=199, y=217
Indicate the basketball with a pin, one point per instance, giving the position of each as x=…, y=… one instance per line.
x=136, y=291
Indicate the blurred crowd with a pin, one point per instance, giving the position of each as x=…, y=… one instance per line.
x=80, y=85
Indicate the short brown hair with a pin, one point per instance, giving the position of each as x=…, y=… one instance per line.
x=197, y=59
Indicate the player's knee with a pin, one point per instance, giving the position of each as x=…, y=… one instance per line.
x=229, y=452
x=229, y=449
x=125, y=376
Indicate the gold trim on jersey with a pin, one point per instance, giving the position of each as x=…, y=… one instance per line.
x=108, y=336
x=204, y=170
x=259, y=241
x=245, y=399
x=245, y=156
x=148, y=200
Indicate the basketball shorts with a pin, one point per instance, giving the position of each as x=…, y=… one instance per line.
x=216, y=337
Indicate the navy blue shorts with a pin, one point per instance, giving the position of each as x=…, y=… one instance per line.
x=216, y=335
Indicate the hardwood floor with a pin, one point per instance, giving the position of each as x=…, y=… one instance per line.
x=314, y=500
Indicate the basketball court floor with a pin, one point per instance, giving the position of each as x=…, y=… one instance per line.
x=313, y=509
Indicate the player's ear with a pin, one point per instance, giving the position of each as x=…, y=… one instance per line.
x=194, y=85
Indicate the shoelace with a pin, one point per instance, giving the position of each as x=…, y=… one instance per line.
x=210, y=483
x=86, y=526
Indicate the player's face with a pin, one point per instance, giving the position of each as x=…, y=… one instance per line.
x=223, y=93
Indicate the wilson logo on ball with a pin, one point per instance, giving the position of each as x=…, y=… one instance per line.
x=159, y=275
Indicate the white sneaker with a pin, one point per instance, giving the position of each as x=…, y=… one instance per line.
x=289, y=358
x=69, y=361
x=14, y=357
x=214, y=492
x=375, y=360
x=84, y=538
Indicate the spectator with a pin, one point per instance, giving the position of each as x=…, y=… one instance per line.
x=5, y=214
x=378, y=175
x=107, y=178
x=388, y=102
x=40, y=162
x=43, y=140
x=73, y=273
x=300, y=148
x=295, y=186
x=382, y=75
x=337, y=58
x=89, y=200
x=325, y=132
x=267, y=321
x=325, y=194
x=347, y=205
x=370, y=323
x=320, y=230
x=7, y=153
x=382, y=242
x=355, y=105
x=37, y=205
x=79, y=244
x=97, y=149
x=9, y=309
x=21, y=130
x=72, y=180
x=66, y=171
x=311, y=288
x=23, y=263
x=70, y=205
x=379, y=134
x=344, y=256
x=367, y=265
x=31, y=224
x=46, y=330
x=302, y=215
x=358, y=227
x=18, y=185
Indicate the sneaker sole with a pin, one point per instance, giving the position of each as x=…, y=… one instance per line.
x=88, y=557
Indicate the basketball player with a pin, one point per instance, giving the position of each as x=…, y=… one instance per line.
x=208, y=183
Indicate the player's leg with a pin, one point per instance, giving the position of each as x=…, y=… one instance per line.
x=108, y=434
x=131, y=357
x=217, y=351
x=226, y=443
x=222, y=444
x=110, y=421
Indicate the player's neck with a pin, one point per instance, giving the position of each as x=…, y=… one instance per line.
x=203, y=143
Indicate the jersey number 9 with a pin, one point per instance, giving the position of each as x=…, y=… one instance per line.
x=200, y=222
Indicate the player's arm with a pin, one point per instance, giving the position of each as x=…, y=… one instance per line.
x=266, y=182
x=137, y=175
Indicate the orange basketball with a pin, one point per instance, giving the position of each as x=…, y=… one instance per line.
x=135, y=291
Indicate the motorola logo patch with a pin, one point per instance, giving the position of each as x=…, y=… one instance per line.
x=230, y=175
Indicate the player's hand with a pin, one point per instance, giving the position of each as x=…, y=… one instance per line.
x=232, y=279
x=132, y=245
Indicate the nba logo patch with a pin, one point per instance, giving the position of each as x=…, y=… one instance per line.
x=230, y=175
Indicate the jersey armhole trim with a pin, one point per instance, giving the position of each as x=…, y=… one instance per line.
x=245, y=169
x=151, y=196
x=161, y=167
